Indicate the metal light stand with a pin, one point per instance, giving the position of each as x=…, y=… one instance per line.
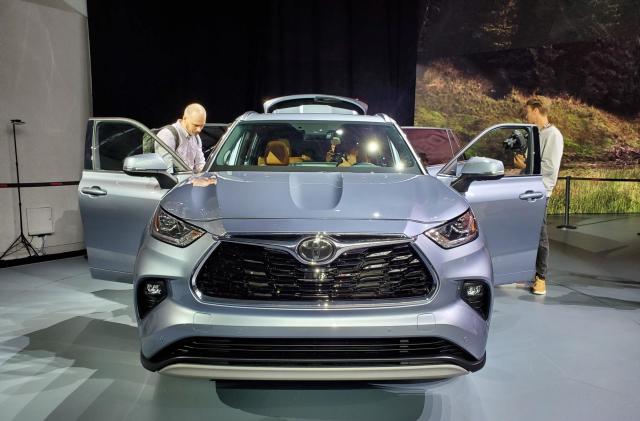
x=21, y=241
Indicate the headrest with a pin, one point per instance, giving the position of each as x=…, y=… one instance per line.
x=277, y=152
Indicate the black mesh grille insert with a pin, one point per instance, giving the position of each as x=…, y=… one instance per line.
x=312, y=352
x=254, y=272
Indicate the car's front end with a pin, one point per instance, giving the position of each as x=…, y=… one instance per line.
x=290, y=272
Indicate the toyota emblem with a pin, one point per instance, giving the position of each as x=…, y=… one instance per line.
x=316, y=249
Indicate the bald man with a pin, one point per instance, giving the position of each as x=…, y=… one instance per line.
x=188, y=144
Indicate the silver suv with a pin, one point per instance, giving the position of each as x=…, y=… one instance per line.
x=315, y=246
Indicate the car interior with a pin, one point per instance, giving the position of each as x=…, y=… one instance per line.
x=314, y=144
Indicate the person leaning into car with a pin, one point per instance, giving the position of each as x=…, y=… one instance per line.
x=551, y=147
x=188, y=144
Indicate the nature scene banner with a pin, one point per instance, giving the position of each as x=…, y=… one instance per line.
x=478, y=62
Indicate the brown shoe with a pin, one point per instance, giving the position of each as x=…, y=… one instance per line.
x=539, y=286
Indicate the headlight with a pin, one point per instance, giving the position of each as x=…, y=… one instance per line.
x=171, y=230
x=456, y=232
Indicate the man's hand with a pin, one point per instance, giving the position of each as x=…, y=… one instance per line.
x=519, y=161
x=199, y=181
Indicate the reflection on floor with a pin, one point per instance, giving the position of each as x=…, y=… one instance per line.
x=69, y=350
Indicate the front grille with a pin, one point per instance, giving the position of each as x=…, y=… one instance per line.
x=303, y=352
x=255, y=272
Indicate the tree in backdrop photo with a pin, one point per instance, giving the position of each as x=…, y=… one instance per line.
x=478, y=62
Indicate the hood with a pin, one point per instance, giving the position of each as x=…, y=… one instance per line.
x=313, y=195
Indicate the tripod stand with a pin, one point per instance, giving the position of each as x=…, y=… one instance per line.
x=21, y=241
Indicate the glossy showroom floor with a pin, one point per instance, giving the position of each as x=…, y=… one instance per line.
x=69, y=350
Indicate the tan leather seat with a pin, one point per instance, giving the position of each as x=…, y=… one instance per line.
x=277, y=152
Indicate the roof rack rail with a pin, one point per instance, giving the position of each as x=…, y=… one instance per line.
x=385, y=117
x=246, y=114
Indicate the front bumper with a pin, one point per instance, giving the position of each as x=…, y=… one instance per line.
x=182, y=316
x=435, y=371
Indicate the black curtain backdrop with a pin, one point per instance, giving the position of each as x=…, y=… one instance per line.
x=150, y=59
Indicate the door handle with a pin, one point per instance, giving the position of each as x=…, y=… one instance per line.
x=531, y=196
x=93, y=191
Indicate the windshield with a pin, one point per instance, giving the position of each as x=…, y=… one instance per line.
x=315, y=146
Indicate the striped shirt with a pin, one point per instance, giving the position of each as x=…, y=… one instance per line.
x=189, y=149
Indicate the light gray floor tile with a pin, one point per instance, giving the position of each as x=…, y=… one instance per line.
x=69, y=350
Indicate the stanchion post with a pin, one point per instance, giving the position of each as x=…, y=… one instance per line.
x=567, y=205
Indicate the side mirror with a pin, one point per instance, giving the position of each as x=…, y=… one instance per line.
x=149, y=165
x=477, y=169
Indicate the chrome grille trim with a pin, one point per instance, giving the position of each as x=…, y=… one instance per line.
x=289, y=245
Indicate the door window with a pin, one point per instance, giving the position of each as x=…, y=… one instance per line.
x=512, y=146
x=117, y=140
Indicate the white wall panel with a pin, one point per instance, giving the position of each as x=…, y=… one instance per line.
x=44, y=80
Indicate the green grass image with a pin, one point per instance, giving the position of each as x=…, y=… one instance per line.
x=598, y=196
x=596, y=143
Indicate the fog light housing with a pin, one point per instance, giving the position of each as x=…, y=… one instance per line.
x=478, y=296
x=151, y=292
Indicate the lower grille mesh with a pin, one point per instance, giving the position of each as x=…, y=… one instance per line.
x=313, y=352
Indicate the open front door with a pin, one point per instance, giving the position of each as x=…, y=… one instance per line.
x=116, y=207
x=509, y=210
